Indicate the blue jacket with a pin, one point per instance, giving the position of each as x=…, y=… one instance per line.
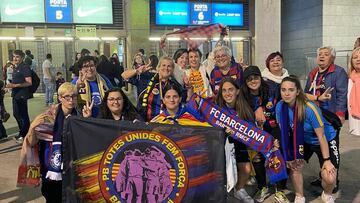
x=334, y=77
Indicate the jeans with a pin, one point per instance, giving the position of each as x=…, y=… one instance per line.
x=49, y=91
x=21, y=114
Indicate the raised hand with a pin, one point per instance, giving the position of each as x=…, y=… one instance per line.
x=326, y=95
x=86, y=111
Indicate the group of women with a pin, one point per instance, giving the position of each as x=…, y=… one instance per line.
x=271, y=99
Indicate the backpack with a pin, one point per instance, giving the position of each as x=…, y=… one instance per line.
x=332, y=118
x=35, y=83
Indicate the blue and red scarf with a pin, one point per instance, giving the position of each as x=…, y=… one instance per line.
x=243, y=131
x=292, y=139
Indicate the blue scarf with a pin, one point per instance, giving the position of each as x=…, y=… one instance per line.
x=55, y=164
x=178, y=114
x=243, y=131
x=292, y=140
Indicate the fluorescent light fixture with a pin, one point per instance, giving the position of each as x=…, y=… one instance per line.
x=60, y=38
x=198, y=38
x=7, y=38
x=109, y=38
x=27, y=38
x=237, y=38
x=154, y=38
x=90, y=38
x=173, y=38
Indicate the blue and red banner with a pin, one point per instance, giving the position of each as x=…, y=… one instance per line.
x=243, y=131
x=121, y=161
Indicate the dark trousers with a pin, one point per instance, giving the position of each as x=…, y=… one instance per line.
x=21, y=114
x=51, y=190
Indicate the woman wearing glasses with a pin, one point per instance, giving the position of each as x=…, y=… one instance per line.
x=115, y=106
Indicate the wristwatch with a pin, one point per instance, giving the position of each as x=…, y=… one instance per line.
x=326, y=159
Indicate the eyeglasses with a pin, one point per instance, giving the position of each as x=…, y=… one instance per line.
x=70, y=97
x=251, y=78
x=88, y=66
x=112, y=99
x=221, y=56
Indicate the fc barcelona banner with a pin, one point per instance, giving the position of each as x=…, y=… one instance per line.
x=121, y=161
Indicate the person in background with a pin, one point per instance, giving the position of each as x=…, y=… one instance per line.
x=231, y=99
x=118, y=70
x=59, y=81
x=106, y=68
x=49, y=80
x=181, y=58
x=72, y=67
x=138, y=63
x=21, y=80
x=353, y=95
x=273, y=75
x=91, y=85
x=224, y=68
x=4, y=116
x=357, y=43
x=76, y=69
x=304, y=131
x=327, y=86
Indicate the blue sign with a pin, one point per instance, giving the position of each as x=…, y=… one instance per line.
x=228, y=14
x=172, y=13
x=200, y=13
x=58, y=11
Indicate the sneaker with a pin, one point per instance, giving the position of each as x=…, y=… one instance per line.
x=19, y=140
x=6, y=117
x=316, y=182
x=299, y=199
x=243, y=196
x=280, y=197
x=262, y=194
x=251, y=181
x=327, y=198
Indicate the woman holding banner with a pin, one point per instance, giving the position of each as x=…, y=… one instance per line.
x=303, y=132
x=231, y=98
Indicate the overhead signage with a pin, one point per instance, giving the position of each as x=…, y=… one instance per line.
x=58, y=11
x=228, y=14
x=85, y=31
x=200, y=13
x=92, y=11
x=25, y=11
x=172, y=13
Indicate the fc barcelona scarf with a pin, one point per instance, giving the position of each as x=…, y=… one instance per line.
x=292, y=141
x=242, y=131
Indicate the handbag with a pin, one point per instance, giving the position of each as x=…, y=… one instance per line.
x=29, y=171
x=332, y=118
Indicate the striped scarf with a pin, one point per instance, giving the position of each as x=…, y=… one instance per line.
x=292, y=140
x=242, y=131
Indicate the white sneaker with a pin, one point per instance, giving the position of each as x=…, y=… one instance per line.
x=262, y=194
x=243, y=196
x=299, y=199
x=327, y=198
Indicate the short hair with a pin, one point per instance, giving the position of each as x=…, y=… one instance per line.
x=85, y=59
x=19, y=53
x=330, y=48
x=196, y=50
x=84, y=52
x=271, y=56
x=224, y=49
x=27, y=52
x=142, y=51
x=97, y=52
x=163, y=59
x=67, y=88
x=59, y=73
x=178, y=53
x=48, y=56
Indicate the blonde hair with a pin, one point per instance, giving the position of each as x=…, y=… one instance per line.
x=167, y=59
x=67, y=88
x=351, y=65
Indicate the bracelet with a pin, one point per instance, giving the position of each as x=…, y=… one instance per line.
x=326, y=159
